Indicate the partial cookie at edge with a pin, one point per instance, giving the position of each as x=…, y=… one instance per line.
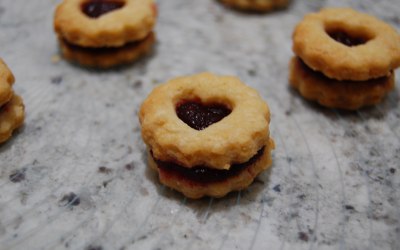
x=11, y=117
x=6, y=81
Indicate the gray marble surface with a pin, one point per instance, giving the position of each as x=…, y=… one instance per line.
x=75, y=176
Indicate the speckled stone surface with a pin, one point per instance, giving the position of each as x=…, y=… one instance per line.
x=75, y=176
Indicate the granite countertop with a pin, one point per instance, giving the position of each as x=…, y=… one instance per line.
x=75, y=176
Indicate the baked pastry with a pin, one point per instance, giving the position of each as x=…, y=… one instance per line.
x=206, y=135
x=345, y=59
x=11, y=106
x=6, y=82
x=256, y=5
x=11, y=117
x=105, y=33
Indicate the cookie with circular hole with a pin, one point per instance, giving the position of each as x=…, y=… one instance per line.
x=105, y=33
x=344, y=58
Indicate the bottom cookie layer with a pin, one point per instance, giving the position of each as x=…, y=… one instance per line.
x=216, y=187
x=256, y=5
x=333, y=93
x=107, y=57
x=11, y=117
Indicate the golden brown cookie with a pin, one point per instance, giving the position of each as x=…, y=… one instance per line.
x=6, y=82
x=201, y=181
x=333, y=93
x=207, y=121
x=11, y=117
x=104, y=23
x=347, y=45
x=256, y=5
x=105, y=33
x=107, y=57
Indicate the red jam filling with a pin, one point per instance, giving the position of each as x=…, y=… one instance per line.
x=344, y=38
x=324, y=78
x=199, y=116
x=101, y=50
x=203, y=174
x=96, y=8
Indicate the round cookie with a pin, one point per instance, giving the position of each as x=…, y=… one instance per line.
x=333, y=93
x=206, y=125
x=6, y=81
x=256, y=5
x=104, y=23
x=347, y=45
x=11, y=117
x=107, y=57
x=105, y=33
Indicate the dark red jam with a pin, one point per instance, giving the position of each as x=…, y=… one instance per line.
x=101, y=50
x=96, y=8
x=344, y=38
x=203, y=174
x=199, y=116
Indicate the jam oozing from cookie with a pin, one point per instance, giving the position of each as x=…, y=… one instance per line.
x=203, y=174
x=344, y=38
x=199, y=116
x=96, y=8
x=106, y=50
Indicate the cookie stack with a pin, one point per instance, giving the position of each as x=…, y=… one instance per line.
x=207, y=135
x=11, y=107
x=105, y=33
x=344, y=59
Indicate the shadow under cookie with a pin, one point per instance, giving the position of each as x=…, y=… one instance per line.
x=349, y=95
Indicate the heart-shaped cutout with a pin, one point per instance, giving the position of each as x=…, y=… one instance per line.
x=200, y=116
x=96, y=8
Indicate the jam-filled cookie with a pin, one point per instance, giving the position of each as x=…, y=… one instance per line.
x=6, y=82
x=344, y=53
x=11, y=117
x=256, y=5
x=12, y=111
x=105, y=33
x=206, y=135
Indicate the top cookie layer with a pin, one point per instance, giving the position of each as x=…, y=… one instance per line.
x=131, y=22
x=376, y=56
x=234, y=139
x=6, y=82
